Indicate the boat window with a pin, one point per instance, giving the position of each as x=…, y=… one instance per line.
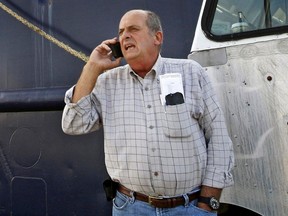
x=228, y=19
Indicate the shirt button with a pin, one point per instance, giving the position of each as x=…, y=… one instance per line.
x=146, y=88
x=151, y=127
x=153, y=149
x=149, y=106
x=156, y=173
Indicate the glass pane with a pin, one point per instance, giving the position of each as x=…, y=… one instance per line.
x=234, y=16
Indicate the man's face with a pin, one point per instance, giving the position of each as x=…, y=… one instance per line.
x=137, y=42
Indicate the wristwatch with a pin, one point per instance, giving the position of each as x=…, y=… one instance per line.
x=211, y=201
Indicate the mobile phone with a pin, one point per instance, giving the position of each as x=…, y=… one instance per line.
x=116, y=50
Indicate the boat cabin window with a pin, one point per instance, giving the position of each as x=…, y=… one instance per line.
x=234, y=19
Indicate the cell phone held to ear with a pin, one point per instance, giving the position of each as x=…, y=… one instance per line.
x=116, y=50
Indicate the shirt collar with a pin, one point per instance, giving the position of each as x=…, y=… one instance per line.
x=157, y=67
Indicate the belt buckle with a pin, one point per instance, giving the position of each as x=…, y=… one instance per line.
x=151, y=198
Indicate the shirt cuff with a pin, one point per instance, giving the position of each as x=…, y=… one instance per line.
x=218, y=178
x=80, y=106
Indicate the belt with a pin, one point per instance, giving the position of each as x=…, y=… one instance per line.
x=158, y=202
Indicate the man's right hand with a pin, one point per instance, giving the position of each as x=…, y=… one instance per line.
x=99, y=61
x=102, y=56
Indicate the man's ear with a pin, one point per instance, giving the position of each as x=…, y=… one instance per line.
x=158, y=38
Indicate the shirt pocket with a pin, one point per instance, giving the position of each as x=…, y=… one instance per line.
x=177, y=121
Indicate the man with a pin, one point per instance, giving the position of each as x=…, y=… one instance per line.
x=163, y=150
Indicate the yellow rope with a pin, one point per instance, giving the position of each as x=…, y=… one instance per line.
x=67, y=48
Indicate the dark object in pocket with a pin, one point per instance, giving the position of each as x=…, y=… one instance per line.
x=174, y=99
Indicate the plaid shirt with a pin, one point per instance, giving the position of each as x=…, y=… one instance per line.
x=149, y=147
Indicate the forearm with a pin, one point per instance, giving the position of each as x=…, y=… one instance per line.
x=207, y=191
x=86, y=81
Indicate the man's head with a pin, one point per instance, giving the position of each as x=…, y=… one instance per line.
x=141, y=37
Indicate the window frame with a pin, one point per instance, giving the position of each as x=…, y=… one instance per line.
x=207, y=19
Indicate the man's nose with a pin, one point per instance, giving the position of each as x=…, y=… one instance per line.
x=126, y=35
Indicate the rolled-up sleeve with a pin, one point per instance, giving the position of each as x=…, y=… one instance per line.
x=220, y=155
x=81, y=117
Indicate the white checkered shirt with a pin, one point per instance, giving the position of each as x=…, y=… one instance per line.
x=149, y=147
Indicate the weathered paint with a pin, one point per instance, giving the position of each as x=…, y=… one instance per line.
x=252, y=88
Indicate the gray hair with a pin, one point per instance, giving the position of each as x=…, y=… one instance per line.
x=153, y=22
